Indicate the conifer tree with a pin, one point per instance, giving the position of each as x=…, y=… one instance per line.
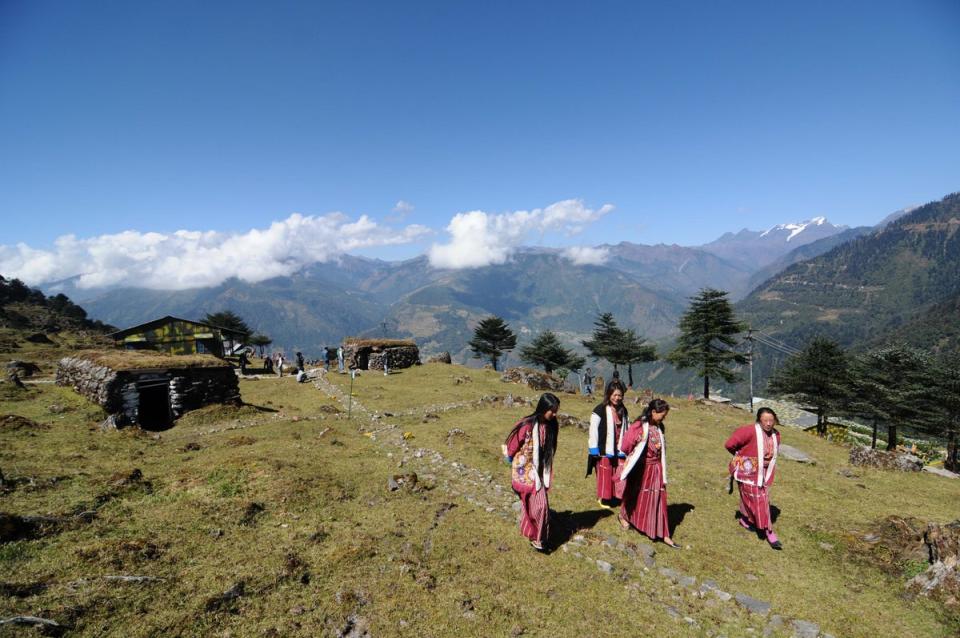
x=231, y=321
x=261, y=341
x=818, y=378
x=948, y=391
x=900, y=381
x=491, y=338
x=866, y=396
x=606, y=333
x=618, y=346
x=708, y=331
x=547, y=351
x=634, y=349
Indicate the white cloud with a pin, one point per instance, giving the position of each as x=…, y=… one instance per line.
x=189, y=259
x=479, y=239
x=403, y=207
x=587, y=255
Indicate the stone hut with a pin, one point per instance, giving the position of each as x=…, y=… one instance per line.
x=148, y=388
x=368, y=354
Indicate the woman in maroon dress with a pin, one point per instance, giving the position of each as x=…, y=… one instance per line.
x=754, y=448
x=529, y=449
x=607, y=425
x=643, y=475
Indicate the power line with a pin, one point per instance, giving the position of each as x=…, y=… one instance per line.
x=774, y=343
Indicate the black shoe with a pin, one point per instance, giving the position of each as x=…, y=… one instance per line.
x=777, y=545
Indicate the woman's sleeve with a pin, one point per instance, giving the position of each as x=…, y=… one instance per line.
x=593, y=445
x=630, y=438
x=736, y=441
x=515, y=442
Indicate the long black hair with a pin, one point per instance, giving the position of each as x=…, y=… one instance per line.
x=548, y=403
x=763, y=411
x=657, y=405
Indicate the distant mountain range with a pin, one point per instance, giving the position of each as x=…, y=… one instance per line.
x=645, y=287
x=898, y=282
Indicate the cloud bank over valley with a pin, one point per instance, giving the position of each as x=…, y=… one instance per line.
x=193, y=259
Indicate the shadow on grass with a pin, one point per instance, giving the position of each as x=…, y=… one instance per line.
x=676, y=513
x=761, y=534
x=563, y=525
x=260, y=408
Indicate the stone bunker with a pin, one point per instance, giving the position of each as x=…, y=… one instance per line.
x=369, y=354
x=148, y=388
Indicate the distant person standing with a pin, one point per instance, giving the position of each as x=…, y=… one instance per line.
x=754, y=448
x=386, y=362
x=268, y=363
x=300, y=364
x=244, y=362
x=340, y=366
x=529, y=449
x=326, y=359
x=279, y=364
x=588, y=382
x=608, y=423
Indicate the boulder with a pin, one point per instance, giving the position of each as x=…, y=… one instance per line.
x=534, y=379
x=939, y=471
x=22, y=368
x=897, y=461
x=568, y=420
x=443, y=357
x=793, y=454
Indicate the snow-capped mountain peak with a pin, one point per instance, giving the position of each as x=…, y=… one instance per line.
x=796, y=229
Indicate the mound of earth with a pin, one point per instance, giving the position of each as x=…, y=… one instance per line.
x=10, y=422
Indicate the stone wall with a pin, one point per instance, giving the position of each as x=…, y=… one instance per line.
x=97, y=383
x=196, y=387
x=370, y=357
x=119, y=392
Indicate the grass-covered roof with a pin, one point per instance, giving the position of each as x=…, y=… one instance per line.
x=139, y=359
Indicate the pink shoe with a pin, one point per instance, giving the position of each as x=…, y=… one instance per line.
x=773, y=540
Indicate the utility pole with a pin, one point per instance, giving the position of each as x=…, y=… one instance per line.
x=750, y=339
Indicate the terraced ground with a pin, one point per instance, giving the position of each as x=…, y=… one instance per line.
x=286, y=518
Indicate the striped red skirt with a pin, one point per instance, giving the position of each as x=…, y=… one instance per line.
x=535, y=515
x=755, y=505
x=605, y=470
x=645, y=501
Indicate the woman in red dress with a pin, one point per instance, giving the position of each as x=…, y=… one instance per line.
x=643, y=475
x=754, y=448
x=607, y=425
x=529, y=449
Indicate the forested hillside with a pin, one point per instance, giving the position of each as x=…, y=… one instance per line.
x=900, y=283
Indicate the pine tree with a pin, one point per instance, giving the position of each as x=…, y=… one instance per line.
x=818, y=378
x=632, y=348
x=947, y=387
x=231, y=321
x=900, y=382
x=606, y=333
x=491, y=338
x=618, y=346
x=547, y=351
x=261, y=341
x=708, y=331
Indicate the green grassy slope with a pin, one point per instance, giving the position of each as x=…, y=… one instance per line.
x=333, y=546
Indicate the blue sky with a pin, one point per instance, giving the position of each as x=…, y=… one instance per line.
x=690, y=119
